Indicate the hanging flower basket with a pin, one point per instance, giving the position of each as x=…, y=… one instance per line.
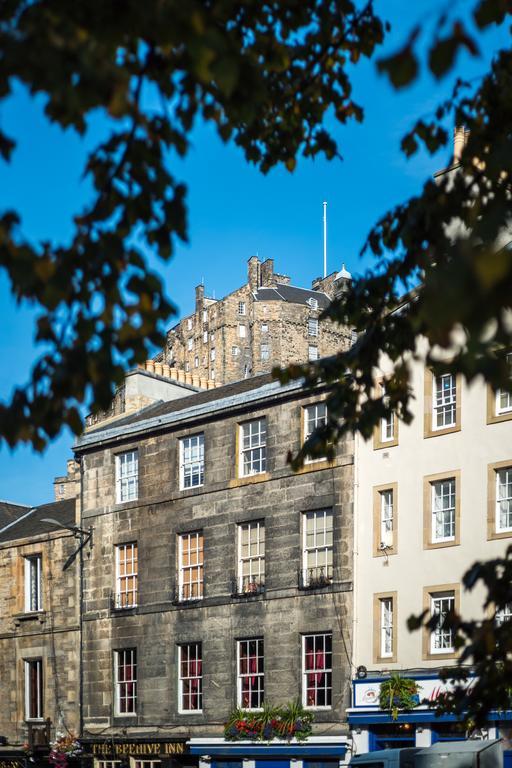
x=64, y=749
x=285, y=723
x=398, y=693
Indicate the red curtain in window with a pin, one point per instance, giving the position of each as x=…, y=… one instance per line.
x=320, y=664
x=253, y=666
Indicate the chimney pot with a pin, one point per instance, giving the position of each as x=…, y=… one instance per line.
x=460, y=137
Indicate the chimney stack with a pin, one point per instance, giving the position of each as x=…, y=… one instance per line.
x=267, y=273
x=254, y=273
x=199, y=297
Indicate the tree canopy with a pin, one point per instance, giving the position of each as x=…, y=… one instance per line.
x=267, y=75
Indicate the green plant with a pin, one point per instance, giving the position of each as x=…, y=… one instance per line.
x=291, y=721
x=296, y=720
x=397, y=693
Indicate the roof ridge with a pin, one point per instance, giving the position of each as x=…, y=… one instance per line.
x=300, y=288
x=14, y=503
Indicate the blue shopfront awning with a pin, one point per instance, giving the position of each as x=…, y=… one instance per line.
x=419, y=716
x=375, y=717
x=250, y=749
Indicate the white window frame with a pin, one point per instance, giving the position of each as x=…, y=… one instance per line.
x=196, y=361
x=242, y=331
x=439, y=636
x=265, y=352
x=443, y=515
x=191, y=451
x=186, y=680
x=106, y=763
x=387, y=516
x=127, y=484
x=212, y=354
x=264, y=327
x=316, y=671
x=386, y=627
x=253, y=679
x=314, y=416
x=193, y=588
x=313, y=303
x=124, y=654
x=312, y=353
x=136, y=763
x=387, y=424
x=33, y=583
x=235, y=351
x=503, y=501
x=205, y=315
x=252, y=447
x=444, y=402
x=242, y=308
x=254, y=560
x=503, y=402
x=205, y=337
x=39, y=692
x=189, y=323
x=318, y=554
x=190, y=344
x=313, y=327
x=126, y=597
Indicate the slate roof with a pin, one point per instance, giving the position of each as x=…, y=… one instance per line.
x=9, y=511
x=31, y=524
x=206, y=396
x=292, y=294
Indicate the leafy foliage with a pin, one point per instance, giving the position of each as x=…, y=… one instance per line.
x=447, y=249
x=398, y=693
x=485, y=646
x=291, y=721
x=265, y=74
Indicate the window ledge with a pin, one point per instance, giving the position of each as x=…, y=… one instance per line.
x=440, y=544
x=379, y=445
x=259, y=478
x=499, y=418
x=315, y=586
x=131, y=611
x=429, y=432
x=188, y=491
x=499, y=535
x=192, y=602
x=40, y=616
x=443, y=656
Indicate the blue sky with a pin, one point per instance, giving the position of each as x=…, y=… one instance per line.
x=234, y=211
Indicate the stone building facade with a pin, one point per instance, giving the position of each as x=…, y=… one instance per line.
x=265, y=323
x=39, y=626
x=217, y=578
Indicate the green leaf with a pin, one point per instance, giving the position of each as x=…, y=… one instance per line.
x=401, y=68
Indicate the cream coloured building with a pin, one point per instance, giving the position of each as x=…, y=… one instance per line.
x=430, y=499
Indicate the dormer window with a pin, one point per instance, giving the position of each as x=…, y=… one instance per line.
x=313, y=303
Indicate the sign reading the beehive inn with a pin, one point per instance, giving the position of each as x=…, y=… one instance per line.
x=136, y=748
